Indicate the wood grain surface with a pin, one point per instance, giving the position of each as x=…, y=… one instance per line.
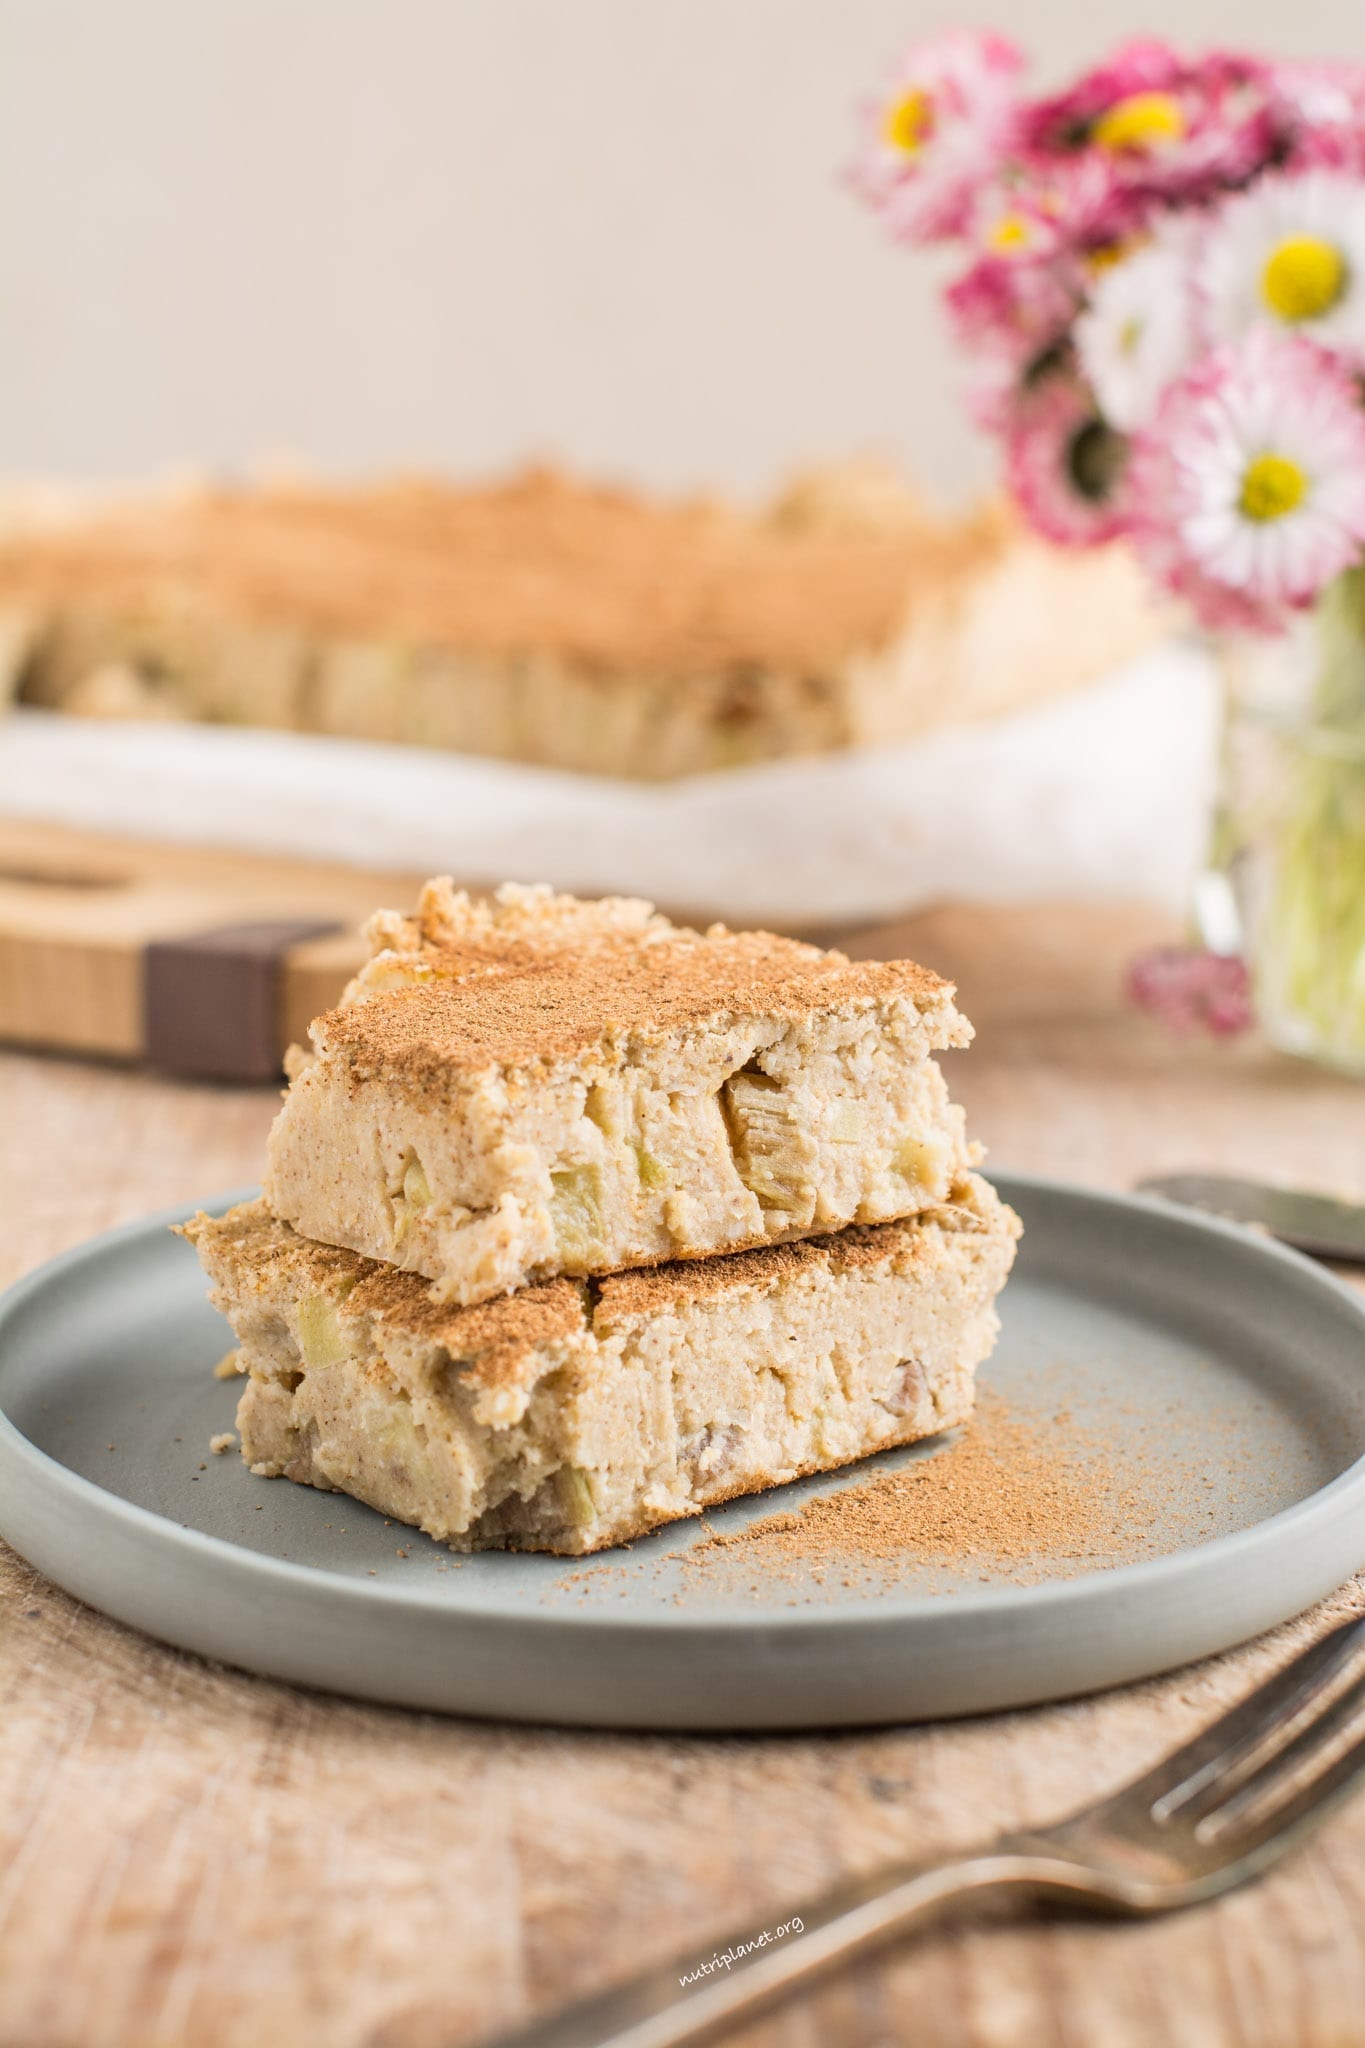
x=79, y=909
x=192, y=1858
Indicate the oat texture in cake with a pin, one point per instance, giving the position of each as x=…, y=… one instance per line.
x=535, y=1085
x=571, y=1416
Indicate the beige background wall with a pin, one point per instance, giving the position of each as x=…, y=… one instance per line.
x=464, y=232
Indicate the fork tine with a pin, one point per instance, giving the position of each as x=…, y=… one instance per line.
x=1180, y=1777
x=1266, y=1839
x=1282, y=1765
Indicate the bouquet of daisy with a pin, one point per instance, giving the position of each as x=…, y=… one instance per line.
x=1161, y=297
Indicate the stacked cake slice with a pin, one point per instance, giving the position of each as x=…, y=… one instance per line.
x=577, y=1222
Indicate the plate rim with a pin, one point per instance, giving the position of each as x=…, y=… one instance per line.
x=889, y=1609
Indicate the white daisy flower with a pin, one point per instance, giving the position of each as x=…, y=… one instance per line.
x=1136, y=336
x=1251, y=481
x=936, y=136
x=1290, y=253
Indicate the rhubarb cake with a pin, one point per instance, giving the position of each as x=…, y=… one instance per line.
x=578, y=1414
x=534, y=1085
x=551, y=621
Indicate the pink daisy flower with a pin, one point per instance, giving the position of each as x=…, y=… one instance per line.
x=1320, y=111
x=1065, y=465
x=1190, y=990
x=1015, y=307
x=938, y=132
x=1248, y=488
x=1095, y=209
x=1074, y=207
x=1043, y=247
x=1171, y=127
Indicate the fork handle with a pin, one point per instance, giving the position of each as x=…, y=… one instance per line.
x=661, y=2009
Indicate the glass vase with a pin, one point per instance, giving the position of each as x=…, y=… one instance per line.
x=1290, y=833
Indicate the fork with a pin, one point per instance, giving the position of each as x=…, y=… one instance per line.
x=1206, y=1818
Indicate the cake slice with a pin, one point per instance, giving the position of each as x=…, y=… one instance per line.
x=533, y=1086
x=549, y=620
x=573, y=1416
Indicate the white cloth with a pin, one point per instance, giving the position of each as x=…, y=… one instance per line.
x=1103, y=793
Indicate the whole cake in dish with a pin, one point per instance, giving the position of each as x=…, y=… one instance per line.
x=537, y=1085
x=568, y=1416
x=577, y=1222
x=553, y=621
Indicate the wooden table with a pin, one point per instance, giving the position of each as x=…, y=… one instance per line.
x=190, y=1858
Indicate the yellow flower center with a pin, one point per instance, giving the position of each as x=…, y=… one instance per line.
x=1011, y=231
x=1130, y=334
x=1143, y=121
x=1303, y=278
x=1104, y=256
x=909, y=122
x=1272, y=486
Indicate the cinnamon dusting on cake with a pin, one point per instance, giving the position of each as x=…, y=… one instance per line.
x=519, y=1011
x=610, y=580
x=535, y=976
x=490, y=1341
x=876, y=1247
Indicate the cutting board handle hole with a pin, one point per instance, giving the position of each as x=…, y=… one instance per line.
x=59, y=878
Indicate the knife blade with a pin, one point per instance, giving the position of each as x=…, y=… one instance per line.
x=1322, y=1225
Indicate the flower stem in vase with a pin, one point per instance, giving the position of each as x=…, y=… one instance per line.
x=1309, y=950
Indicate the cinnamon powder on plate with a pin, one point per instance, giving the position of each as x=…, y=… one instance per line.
x=1011, y=1489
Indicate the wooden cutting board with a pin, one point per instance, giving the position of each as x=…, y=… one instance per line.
x=79, y=911
x=84, y=920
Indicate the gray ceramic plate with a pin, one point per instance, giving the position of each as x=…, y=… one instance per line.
x=1196, y=1394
